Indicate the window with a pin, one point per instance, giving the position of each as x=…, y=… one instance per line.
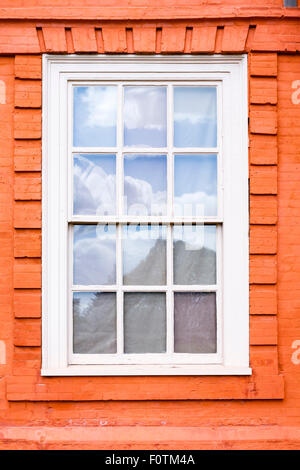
x=145, y=215
x=290, y=3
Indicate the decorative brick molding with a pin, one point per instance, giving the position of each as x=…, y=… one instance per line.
x=161, y=37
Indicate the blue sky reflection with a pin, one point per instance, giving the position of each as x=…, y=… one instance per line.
x=195, y=185
x=95, y=116
x=195, y=116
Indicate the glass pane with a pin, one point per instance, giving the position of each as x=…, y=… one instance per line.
x=144, y=323
x=144, y=255
x=94, y=254
x=95, y=116
x=195, y=116
x=145, y=184
x=195, y=322
x=195, y=185
x=94, y=323
x=145, y=116
x=94, y=184
x=194, y=254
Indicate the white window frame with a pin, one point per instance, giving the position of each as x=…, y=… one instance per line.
x=229, y=74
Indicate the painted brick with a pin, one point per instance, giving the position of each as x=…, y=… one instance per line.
x=18, y=39
x=263, y=209
x=99, y=40
x=27, y=304
x=27, y=214
x=27, y=368
x=27, y=332
x=129, y=40
x=28, y=155
x=264, y=360
x=263, y=300
x=263, y=64
x=114, y=39
x=263, y=269
x=232, y=388
x=263, y=330
x=263, y=239
x=28, y=124
x=69, y=41
x=234, y=38
x=263, y=149
x=28, y=66
x=264, y=35
x=55, y=39
x=173, y=39
x=277, y=37
x=263, y=90
x=263, y=179
x=28, y=186
x=27, y=274
x=203, y=39
x=84, y=39
x=263, y=119
x=144, y=39
x=27, y=243
x=28, y=94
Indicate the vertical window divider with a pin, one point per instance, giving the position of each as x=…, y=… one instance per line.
x=119, y=209
x=119, y=293
x=219, y=294
x=70, y=227
x=170, y=201
x=219, y=227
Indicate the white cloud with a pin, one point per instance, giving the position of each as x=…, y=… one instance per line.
x=95, y=192
x=140, y=198
x=101, y=106
x=195, y=107
x=144, y=108
x=193, y=118
x=95, y=189
x=94, y=261
x=198, y=203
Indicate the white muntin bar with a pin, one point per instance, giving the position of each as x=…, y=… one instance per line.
x=145, y=150
x=143, y=220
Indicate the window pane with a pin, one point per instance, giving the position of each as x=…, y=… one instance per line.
x=195, y=116
x=194, y=254
x=145, y=116
x=195, y=185
x=195, y=322
x=94, y=254
x=144, y=255
x=94, y=184
x=94, y=323
x=144, y=323
x=290, y=3
x=95, y=116
x=145, y=184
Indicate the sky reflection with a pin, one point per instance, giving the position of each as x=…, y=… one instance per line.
x=195, y=185
x=94, y=254
x=145, y=184
x=145, y=116
x=95, y=116
x=195, y=116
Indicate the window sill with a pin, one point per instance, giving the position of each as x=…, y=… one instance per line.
x=127, y=370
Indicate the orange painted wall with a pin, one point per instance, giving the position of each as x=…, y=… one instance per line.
x=261, y=411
